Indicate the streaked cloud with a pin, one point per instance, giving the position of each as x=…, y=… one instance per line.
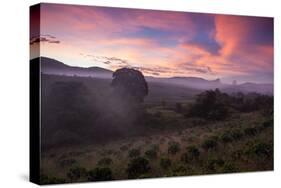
x=44, y=38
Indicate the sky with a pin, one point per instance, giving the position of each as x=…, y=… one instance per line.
x=158, y=43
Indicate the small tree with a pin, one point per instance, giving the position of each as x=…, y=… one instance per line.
x=211, y=104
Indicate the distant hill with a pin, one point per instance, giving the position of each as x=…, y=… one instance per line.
x=52, y=66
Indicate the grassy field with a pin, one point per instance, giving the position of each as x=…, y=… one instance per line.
x=173, y=144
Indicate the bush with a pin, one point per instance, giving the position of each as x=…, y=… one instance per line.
x=50, y=180
x=133, y=153
x=186, y=158
x=260, y=149
x=229, y=168
x=209, y=144
x=151, y=154
x=268, y=123
x=105, y=161
x=250, y=131
x=226, y=137
x=236, y=155
x=193, y=151
x=180, y=171
x=236, y=134
x=211, y=104
x=165, y=163
x=100, y=174
x=173, y=148
x=191, y=154
x=76, y=173
x=137, y=167
x=213, y=164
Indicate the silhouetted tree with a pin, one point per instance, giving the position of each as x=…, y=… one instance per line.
x=130, y=83
x=211, y=104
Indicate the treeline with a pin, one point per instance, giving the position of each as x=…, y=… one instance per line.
x=216, y=105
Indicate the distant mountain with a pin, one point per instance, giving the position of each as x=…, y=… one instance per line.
x=52, y=66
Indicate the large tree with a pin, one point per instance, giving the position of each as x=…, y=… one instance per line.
x=130, y=83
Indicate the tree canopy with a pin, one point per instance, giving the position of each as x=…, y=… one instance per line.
x=130, y=83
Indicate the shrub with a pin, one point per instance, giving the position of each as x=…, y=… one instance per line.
x=186, y=158
x=268, y=123
x=229, y=168
x=105, y=161
x=236, y=154
x=133, y=153
x=76, y=173
x=137, y=167
x=213, y=164
x=50, y=180
x=191, y=154
x=250, y=131
x=211, y=104
x=151, y=154
x=260, y=149
x=209, y=144
x=193, y=151
x=165, y=163
x=236, y=134
x=180, y=171
x=100, y=174
x=173, y=148
x=226, y=137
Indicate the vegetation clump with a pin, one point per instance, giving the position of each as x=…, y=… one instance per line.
x=260, y=149
x=211, y=104
x=133, y=153
x=74, y=174
x=151, y=154
x=173, y=148
x=50, y=180
x=105, y=161
x=100, y=174
x=137, y=167
x=250, y=131
x=165, y=163
x=210, y=143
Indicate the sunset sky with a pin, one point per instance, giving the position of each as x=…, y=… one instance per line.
x=158, y=43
